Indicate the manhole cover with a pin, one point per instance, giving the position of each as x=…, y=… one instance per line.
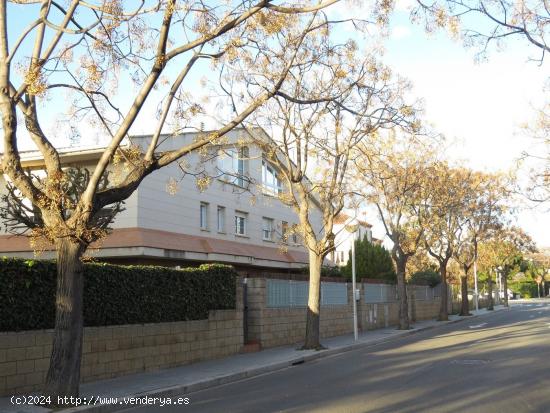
x=470, y=362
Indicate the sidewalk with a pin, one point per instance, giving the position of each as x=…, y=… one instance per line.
x=179, y=381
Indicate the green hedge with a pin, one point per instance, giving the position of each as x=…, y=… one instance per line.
x=371, y=261
x=426, y=277
x=113, y=294
x=527, y=289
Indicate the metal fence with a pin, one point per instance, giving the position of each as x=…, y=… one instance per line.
x=334, y=293
x=423, y=292
x=289, y=293
x=379, y=293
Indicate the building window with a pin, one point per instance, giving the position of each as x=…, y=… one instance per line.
x=294, y=234
x=204, y=215
x=284, y=231
x=240, y=223
x=369, y=235
x=267, y=229
x=221, y=219
x=270, y=181
x=233, y=165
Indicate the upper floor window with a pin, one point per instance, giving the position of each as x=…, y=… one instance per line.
x=221, y=219
x=233, y=165
x=240, y=223
x=270, y=180
x=267, y=229
x=284, y=231
x=204, y=215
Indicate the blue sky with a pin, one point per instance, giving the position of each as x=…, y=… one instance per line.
x=477, y=106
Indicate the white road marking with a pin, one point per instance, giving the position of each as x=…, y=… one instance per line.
x=478, y=325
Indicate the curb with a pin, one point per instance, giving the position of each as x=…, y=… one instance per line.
x=178, y=390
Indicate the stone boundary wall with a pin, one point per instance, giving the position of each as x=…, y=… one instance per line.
x=271, y=327
x=115, y=351
x=120, y=350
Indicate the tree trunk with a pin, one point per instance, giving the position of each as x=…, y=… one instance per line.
x=443, y=310
x=490, y=304
x=465, y=308
x=312, y=340
x=402, y=294
x=505, y=287
x=63, y=376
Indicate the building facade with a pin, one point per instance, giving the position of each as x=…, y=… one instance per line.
x=219, y=205
x=343, y=224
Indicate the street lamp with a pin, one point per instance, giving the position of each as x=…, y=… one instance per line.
x=499, y=273
x=476, y=292
x=352, y=229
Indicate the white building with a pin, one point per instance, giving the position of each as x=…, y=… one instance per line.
x=169, y=221
x=344, y=238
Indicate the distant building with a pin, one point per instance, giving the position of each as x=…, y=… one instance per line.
x=169, y=221
x=344, y=238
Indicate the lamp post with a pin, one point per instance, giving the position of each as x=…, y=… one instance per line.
x=352, y=229
x=476, y=294
x=499, y=275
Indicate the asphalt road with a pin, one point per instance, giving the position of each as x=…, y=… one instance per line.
x=498, y=363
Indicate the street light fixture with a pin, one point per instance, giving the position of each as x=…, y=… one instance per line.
x=352, y=229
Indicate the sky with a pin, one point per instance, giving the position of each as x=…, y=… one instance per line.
x=479, y=106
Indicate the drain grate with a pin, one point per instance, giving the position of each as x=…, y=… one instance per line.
x=466, y=362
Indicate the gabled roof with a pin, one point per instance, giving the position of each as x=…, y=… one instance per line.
x=342, y=219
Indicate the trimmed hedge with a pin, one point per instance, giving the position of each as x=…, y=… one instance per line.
x=371, y=261
x=426, y=277
x=527, y=289
x=113, y=294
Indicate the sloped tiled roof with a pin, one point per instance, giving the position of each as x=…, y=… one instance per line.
x=342, y=218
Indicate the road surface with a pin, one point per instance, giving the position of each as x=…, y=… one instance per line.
x=494, y=364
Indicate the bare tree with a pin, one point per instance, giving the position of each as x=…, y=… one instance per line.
x=504, y=251
x=465, y=256
x=394, y=176
x=443, y=218
x=484, y=216
x=499, y=20
x=82, y=51
x=316, y=141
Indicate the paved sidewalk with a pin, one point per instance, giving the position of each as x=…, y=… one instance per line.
x=202, y=375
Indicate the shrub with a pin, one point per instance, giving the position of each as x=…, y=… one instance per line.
x=114, y=294
x=371, y=261
x=426, y=277
x=527, y=289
